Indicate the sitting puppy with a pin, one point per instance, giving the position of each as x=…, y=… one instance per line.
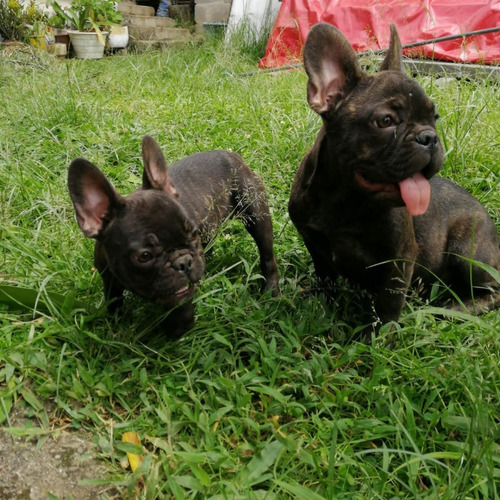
x=363, y=198
x=148, y=242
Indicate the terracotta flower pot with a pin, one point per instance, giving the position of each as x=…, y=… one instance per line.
x=62, y=37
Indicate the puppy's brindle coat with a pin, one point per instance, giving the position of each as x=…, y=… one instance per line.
x=361, y=199
x=149, y=241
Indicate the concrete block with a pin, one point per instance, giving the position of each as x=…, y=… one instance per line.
x=57, y=49
x=212, y=12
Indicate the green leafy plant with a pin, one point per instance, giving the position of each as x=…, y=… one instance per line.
x=38, y=28
x=56, y=21
x=17, y=22
x=11, y=22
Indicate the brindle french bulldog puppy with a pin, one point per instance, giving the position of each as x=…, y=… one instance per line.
x=149, y=241
x=364, y=198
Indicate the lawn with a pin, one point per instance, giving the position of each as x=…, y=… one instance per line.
x=266, y=397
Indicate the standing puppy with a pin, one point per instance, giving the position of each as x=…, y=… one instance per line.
x=148, y=242
x=363, y=198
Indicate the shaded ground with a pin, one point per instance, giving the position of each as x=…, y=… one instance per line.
x=33, y=469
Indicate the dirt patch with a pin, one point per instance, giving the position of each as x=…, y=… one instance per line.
x=33, y=469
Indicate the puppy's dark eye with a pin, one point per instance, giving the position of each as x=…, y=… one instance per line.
x=144, y=256
x=385, y=122
x=436, y=117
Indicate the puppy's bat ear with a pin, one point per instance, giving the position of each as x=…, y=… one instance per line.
x=331, y=65
x=393, y=59
x=155, y=174
x=94, y=198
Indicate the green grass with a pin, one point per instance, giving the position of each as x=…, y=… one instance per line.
x=264, y=398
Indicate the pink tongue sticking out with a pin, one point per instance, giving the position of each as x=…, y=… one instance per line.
x=416, y=193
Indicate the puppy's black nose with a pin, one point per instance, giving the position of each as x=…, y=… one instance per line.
x=183, y=263
x=427, y=138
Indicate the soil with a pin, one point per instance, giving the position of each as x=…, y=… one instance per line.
x=34, y=469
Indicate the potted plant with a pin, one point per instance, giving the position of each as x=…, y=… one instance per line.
x=88, y=20
x=58, y=28
x=37, y=34
x=20, y=20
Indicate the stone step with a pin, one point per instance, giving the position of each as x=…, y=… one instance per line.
x=146, y=45
x=149, y=32
x=131, y=9
x=148, y=22
x=160, y=34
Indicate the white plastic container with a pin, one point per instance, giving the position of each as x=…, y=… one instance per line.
x=118, y=37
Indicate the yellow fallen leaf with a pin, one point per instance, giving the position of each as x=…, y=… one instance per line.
x=276, y=424
x=276, y=421
x=133, y=459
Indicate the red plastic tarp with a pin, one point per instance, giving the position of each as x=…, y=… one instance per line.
x=365, y=23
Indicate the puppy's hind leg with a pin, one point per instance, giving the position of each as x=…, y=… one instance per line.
x=253, y=210
x=261, y=230
x=475, y=241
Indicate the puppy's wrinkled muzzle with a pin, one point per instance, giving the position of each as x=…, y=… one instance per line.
x=427, y=139
x=183, y=264
x=181, y=294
